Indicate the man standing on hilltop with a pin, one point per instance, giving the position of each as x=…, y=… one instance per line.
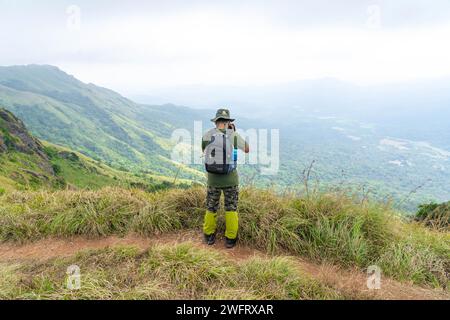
x=220, y=146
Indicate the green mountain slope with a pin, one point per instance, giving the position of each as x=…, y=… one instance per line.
x=95, y=121
x=26, y=163
x=23, y=161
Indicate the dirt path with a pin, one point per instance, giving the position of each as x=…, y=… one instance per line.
x=352, y=283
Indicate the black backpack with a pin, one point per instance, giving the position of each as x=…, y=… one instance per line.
x=221, y=153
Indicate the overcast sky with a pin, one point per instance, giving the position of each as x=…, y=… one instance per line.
x=136, y=46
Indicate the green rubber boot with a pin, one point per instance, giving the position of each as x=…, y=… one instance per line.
x=210, y=225
x=232, y=227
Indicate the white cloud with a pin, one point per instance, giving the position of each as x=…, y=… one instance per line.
x=212, y=45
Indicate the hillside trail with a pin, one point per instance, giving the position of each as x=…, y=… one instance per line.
x=352, y=283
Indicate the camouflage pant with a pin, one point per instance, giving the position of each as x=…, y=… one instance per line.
x=231, y=195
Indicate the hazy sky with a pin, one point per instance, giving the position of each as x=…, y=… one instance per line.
x=134, y=46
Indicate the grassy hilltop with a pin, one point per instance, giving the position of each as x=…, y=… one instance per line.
x=323, y=228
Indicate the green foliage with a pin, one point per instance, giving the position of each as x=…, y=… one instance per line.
x=24, y=171
x=7, y=138
x=434, y=214
x=56, y=168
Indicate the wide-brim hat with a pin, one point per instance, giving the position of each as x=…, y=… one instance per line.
x=223, y=114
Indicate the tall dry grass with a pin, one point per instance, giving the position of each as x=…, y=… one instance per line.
x=330, y=227
x=180, y=271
